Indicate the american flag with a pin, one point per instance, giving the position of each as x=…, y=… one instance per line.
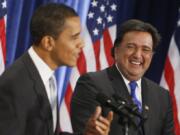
x=171, y=74
x=3, y=16
x=99, y=34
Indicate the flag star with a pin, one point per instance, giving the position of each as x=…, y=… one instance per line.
x=94, y=3
x=102, y=8
x=95, y=31
x=99, y=20
x=113, y=7
x=109, y=18
x=4, y=4
x=91, y=15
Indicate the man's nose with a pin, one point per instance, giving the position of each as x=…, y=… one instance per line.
x=137, y=52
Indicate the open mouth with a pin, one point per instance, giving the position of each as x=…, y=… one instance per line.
x=136, y=63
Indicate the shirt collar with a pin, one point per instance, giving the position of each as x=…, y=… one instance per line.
x=126, y=80
x=44, y=70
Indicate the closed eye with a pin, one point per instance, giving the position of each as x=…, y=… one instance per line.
x=75, y=36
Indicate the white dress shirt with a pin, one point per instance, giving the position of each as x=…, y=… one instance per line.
x=138, y=88
x=45, y=73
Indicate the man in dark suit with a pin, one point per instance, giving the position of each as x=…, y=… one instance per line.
x=28, y=94
x=147, y=109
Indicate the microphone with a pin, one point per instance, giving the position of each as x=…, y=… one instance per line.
x=117, y=108
x=132, y=108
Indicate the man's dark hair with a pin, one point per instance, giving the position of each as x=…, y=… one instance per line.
x=136, y=25
x=49, y=20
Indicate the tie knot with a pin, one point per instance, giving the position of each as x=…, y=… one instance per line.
x=133, y=85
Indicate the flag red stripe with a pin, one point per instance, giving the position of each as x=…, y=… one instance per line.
x=3, y=38
x=107, y=47
x=81, y=63
x=96, y=46
x=68, y=96
x=169, y=76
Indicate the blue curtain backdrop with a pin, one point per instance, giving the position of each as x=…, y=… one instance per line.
x=161, y=13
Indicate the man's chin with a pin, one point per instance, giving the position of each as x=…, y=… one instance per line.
x=134, y=76
x=72, y=64
x=69, y=64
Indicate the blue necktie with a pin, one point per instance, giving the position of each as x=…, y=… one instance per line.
x=133, y=85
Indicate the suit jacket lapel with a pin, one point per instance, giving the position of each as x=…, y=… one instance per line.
x=45, y=108
x=118, y=84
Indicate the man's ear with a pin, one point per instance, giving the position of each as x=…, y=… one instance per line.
x=48, y=43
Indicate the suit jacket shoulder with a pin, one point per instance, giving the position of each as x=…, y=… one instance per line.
x=25, y=108
x=109, y=82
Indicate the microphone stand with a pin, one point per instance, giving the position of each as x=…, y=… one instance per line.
x=133, y=111
x=125, y=118
x=126, y=127
x=143, y=119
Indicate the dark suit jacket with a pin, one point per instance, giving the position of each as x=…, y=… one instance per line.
x=110, y=82
x=24, y=105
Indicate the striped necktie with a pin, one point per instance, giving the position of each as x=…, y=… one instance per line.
x=133, y=86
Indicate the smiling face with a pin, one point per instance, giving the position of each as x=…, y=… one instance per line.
x=134, y=54
x=68, y=44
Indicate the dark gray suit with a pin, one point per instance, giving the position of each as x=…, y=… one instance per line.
x=24, y=105
x=110, y=82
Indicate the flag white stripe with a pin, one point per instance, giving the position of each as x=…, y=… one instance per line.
x=74, y=77
x=163, y=82
x=103, y=60
x=112, y=31
x=174, y=56
x=2, y=67
x=89, y=52
x=65, y=118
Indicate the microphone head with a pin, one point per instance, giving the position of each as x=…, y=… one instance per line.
x=103, y=99
x=119, y=99
x=114, y=106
